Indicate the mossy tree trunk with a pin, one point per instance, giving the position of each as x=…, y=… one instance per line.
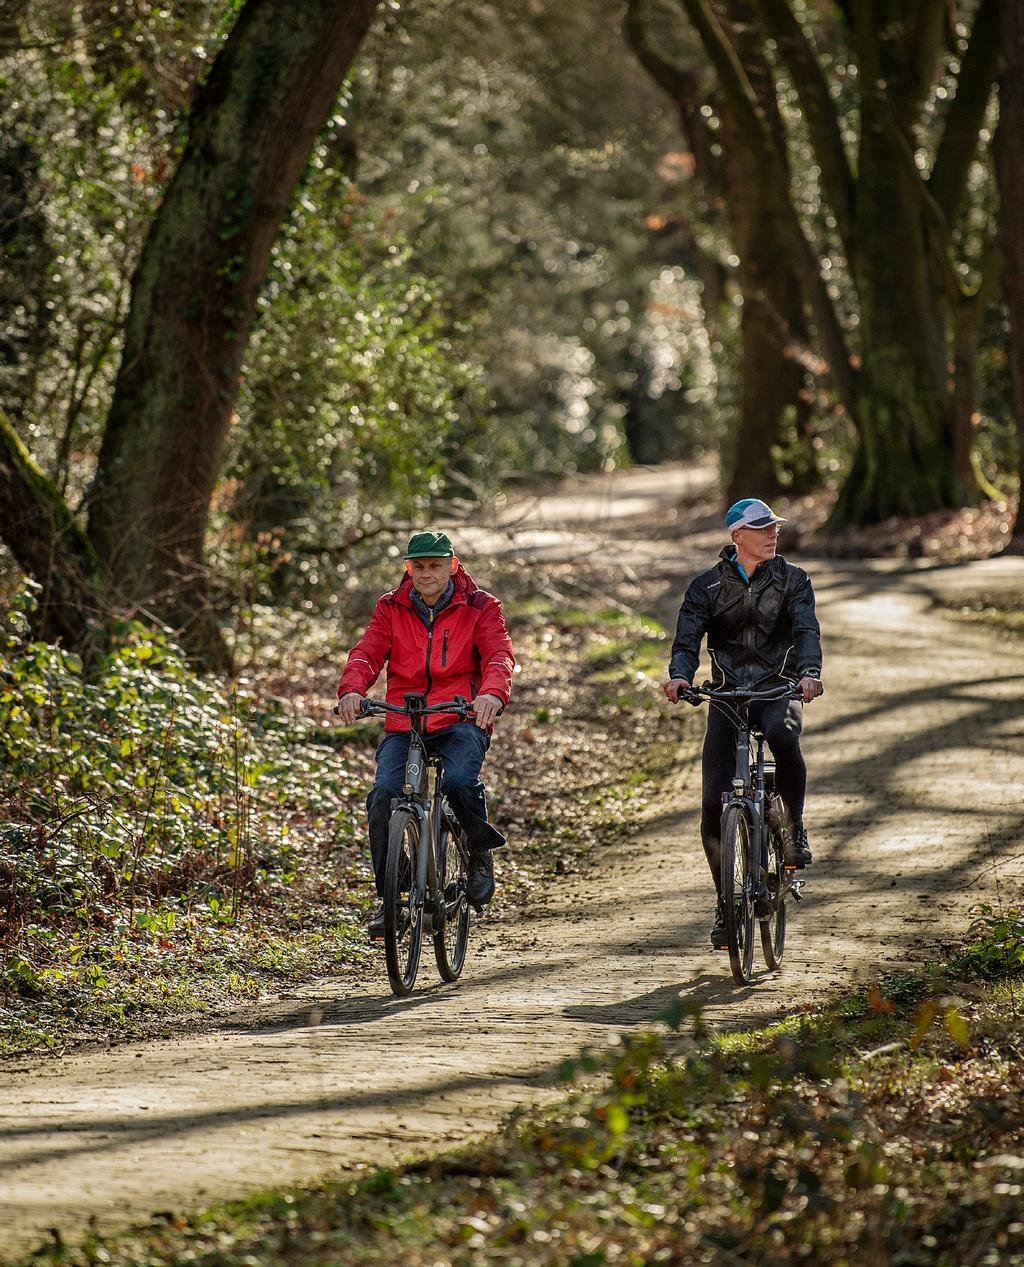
x=46, y=542
x=905, y=462
x=1010, y=173
x=194, y=296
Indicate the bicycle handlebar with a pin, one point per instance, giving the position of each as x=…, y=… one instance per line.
x=696, y=694
x=459, y=705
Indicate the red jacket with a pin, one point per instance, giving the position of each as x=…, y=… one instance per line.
x=466, y=651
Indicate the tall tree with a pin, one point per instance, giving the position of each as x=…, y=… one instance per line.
x=1010, y=171
x=895, y=219
x=250, y=132
x=774, y=407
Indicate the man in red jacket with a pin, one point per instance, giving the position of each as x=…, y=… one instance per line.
x=440, y=636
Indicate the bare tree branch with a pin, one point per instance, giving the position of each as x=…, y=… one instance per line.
x=959, y=144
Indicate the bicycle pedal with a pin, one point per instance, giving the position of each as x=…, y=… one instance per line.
x=479, y=909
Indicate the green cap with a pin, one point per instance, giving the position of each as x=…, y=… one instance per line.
x=429, y=545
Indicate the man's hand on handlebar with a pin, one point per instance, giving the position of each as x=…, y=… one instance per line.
x=811, y=688
x=350, y=708
x=673, y=687
x=486, y=709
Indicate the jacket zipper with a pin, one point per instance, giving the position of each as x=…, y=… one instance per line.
x=430, y=640
x=444, y=650
x=748, y=623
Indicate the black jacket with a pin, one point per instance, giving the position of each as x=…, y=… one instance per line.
x=757, y=633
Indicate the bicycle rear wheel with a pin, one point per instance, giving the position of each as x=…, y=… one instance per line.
x=453, y=875
x=403, y=927
x=738, y=892
x=773, y=929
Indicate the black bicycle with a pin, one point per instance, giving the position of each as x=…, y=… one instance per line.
x=755, y=821
x=427, y=869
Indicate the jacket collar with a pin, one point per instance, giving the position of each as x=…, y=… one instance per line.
x=731, y=564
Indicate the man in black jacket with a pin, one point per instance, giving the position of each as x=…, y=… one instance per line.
x=757, y=611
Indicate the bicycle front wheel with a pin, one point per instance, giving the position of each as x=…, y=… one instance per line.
x=403, y=926
x=773, y=929
x=453, y=875
x=738, y=892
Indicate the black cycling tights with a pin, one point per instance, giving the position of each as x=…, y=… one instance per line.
x=781, y=721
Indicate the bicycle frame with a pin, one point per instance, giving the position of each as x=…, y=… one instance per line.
x=750, y=792
x=748, y=784
x=422, y=797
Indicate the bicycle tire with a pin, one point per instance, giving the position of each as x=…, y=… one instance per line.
x=737, y=892
x=451, y=941
x=403, y=925
x=773, y=929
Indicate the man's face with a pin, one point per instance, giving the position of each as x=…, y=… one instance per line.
x=430, y=576
x=758, y=544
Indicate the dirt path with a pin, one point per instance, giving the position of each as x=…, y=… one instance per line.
x=917, y=769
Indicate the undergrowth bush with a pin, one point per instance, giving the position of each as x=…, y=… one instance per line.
x=137, y=794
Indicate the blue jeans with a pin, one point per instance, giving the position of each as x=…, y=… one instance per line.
x=463, y=748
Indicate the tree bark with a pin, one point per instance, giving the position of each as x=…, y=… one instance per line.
x=46, y=543
x=775, y=405
x=1010, y=175
x=194, y=295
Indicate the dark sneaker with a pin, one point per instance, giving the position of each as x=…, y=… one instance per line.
x=797, y=853
x=480, y=885
x=376, y=927
x=718, y=936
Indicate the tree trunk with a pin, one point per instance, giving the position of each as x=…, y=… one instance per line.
x=904, y=465
x=774, y=404
x=47, y=544
x=194, y=296
x=1010, y=174
x=897, y=236
x=774, y=409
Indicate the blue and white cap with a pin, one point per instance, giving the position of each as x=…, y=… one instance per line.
x=751, y=513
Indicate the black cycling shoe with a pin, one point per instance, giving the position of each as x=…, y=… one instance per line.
x=480, y=883
x=375, y=929
x=797, y=853
x=719, y=940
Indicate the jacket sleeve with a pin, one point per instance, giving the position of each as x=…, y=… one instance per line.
x=806, y=630
x=691, y=627
x=497, y=659
x=368, y=656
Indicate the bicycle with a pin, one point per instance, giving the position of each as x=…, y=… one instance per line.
x=755, y=881
x=427, y=868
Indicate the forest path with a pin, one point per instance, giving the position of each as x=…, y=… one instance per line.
x=917, y=770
